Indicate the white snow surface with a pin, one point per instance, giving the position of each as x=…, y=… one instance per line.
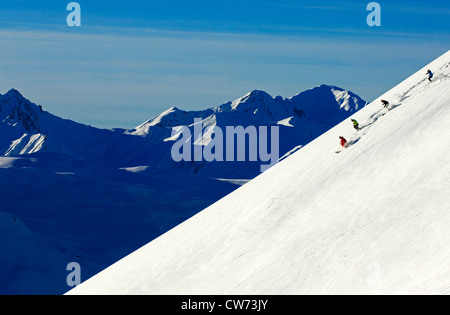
x=373, y=219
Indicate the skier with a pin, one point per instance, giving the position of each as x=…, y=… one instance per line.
x=430, y=75
x=343, y=142
x=385, y=103
x=355, y=124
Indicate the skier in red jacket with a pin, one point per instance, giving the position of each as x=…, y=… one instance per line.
x=343, y=142
x=385, y=104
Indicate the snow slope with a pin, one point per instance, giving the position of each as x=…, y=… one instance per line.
x=373, y=219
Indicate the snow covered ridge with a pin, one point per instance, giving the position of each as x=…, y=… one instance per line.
x=326, y=104
x=214, y=143
x=371, y=220
x=26, y=129
x=292, y=122
x=15, y=109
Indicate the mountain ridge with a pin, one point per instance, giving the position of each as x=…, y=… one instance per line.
x=27, y=129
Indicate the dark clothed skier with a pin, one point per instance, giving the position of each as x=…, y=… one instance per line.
x=430, y=75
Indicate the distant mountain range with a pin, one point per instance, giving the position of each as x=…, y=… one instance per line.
x=26, y=128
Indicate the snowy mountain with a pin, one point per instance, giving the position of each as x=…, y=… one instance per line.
x=20, y=117
x=372, y=219
x=301, y=119
x=26, y=129
x=326, y=104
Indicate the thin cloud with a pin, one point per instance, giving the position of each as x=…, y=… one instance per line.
x=82, y=76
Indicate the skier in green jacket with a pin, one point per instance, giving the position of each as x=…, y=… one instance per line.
x=355, y=124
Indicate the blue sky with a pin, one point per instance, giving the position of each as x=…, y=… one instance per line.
x=130, y=60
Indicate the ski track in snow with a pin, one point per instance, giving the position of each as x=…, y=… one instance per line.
x=420, y=87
